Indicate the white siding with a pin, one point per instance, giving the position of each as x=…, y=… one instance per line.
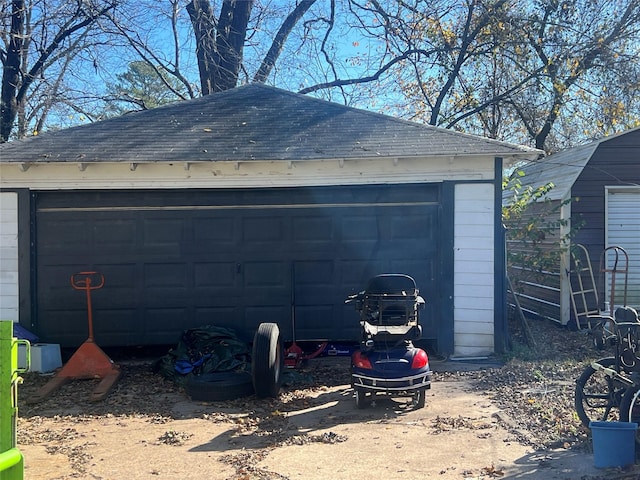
x=623, y=230
x=474, y=270
x=9, y=256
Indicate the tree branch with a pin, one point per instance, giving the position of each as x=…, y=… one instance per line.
x=369, y=78
x=278, y=42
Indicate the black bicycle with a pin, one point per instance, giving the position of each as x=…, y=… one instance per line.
x=609, y=388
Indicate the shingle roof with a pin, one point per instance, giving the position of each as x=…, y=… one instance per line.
x=562, y=169
x=252, y=122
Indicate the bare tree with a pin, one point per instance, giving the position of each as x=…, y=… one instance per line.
x=532, y=72
x=220, y=41
x=529, y=72
x=165, y=57
x=582, y=52
x=37, y=38
x=428, y=48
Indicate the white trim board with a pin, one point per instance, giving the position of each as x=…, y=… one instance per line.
x=258, y=174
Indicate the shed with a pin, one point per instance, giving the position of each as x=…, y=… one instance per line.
x=597, y=191
x=247, y=206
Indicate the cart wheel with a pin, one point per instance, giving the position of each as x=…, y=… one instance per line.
x=267, y=360
x=361, y=398
x=219, y=386
x=418, y=399
x=597, y=395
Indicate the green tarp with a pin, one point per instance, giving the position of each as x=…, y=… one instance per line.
x=203, y=350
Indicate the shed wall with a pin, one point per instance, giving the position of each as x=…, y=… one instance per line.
x=610, y=165
x=616, y=163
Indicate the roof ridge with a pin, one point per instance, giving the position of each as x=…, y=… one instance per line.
x=253, y=122
x=395, y=119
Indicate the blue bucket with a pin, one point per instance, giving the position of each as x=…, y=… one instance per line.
x=614, y=443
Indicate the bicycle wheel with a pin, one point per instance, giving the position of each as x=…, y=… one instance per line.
x=597, y=395
x=630, y=407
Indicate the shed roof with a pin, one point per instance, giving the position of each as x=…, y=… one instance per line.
x=561, y=169
x=252, y=122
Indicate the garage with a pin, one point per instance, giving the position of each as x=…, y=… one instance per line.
x=179, y=259
x=249, y=206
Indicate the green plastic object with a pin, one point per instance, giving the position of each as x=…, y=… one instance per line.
x=11, y=459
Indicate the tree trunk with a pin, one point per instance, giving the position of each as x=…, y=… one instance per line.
x=11, y=71
x=219, y=46
x=17, y=79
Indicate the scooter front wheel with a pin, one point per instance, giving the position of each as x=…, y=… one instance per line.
x=418, y=399
x=361, y=397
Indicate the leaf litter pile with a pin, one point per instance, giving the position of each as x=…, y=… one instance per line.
x=534, y=387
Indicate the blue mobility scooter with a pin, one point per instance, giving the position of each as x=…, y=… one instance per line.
x=387, y=362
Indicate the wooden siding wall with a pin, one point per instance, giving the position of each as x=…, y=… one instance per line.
x=538, y=290
x=9, y=256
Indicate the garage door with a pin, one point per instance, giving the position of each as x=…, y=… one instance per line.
x=174, y=260
x=623, y=230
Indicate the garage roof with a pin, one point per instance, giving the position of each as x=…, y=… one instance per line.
x=252, y=122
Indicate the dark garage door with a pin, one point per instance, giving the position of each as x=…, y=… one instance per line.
x=174, y=260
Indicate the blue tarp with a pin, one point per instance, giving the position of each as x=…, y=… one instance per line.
x=22, y=333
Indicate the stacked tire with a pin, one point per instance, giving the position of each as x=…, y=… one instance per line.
x=265, y=378
x=219, y=386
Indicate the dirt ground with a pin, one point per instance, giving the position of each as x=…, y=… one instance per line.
x=148, y=428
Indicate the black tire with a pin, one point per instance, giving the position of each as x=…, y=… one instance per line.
x=418, y=399
x=598, y=396
x=361, y=398
x=267, y=361
x=219, y=386
x=630, y=407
